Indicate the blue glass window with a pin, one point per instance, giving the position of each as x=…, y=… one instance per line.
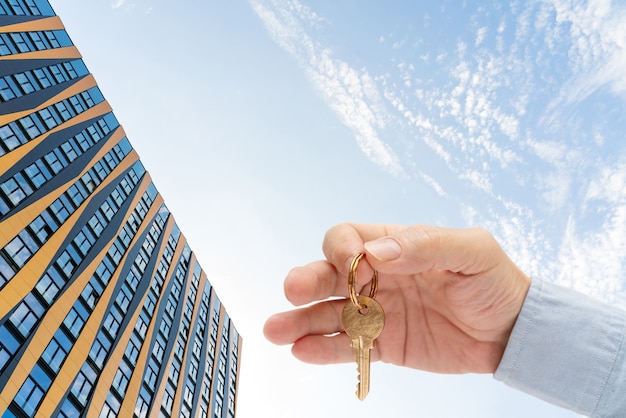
x=6, y=89
x=59, y=209
x=8, y=346
x=111, y=406
x=32, y=391
x=83, y=383
x=26, y=314
x=100, y=349
x=18, y=250
x=49, y=285
x=69, y=410
x=56, y=352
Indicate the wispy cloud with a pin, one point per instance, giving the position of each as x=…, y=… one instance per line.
x=509, y=112
x=350, y=92
x=598, y=46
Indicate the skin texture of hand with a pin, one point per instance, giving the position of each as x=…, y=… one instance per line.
x=451, y=298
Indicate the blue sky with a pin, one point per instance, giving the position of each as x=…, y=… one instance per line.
x=263, y=123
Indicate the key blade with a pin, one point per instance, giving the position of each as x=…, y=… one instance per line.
x=363, y=366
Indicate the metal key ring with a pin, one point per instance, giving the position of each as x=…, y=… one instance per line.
x=352, y=279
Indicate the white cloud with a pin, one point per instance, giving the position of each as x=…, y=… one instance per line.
x=598, y=46
x=480, y=35
x=434, y=184
x=351, y=93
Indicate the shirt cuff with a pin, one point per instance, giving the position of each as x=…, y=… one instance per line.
x=566, y=348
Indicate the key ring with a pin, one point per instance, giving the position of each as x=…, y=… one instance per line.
x=352, y=280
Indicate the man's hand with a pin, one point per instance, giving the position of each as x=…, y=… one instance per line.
x=451, y=297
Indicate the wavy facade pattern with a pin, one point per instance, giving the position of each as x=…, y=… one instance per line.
x=104, y=309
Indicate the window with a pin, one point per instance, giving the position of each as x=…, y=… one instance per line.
x=21, y=248
x=20, y=41
x=104, y=272
x=84, y=240
x=59, y=209
x=5, y=45
x=168, y=399
x=115, y=252
x=69, y=410
x=76, y=318
x=120, y=381
x=68, y=150
x=58, y=74
x=99, y=350
x=97, y=224
x=26, y=314
x=89, y=181
x=25, y=82
x=16, y=189
x=100, y=170
x=30, y=394
x=112, y=322
x=12, y=136
x=143, y=403
x=117, y=196
x=77, y=104
x=52, y=38
x=54, y=162
x=158, y=351
x=30, y=126
x=65, y=112
x=83, y=383
x=55, y=353
x=151, y=374
x=92, y=292
x=49, y=285
x=141, y=327
x=110, y=408
x=6, y=91
x=6, y=271
x=8, y=346
x=142, y=259
x=77, y=194
x=66, y=264
x=38, y=173
x=38, y=40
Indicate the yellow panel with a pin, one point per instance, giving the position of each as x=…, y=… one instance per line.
x=46, y=23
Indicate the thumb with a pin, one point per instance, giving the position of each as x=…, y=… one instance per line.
x=420, y=248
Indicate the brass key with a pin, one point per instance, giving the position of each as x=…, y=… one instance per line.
x=363, y=326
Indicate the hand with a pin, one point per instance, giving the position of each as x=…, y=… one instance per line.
x=451, y=297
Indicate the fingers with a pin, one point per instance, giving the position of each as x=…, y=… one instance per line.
x=392, y=249
x=315, y=333
x=318, y=349
x=315, y=281
x=319, y=319
x=323, y=279
x=420, y=248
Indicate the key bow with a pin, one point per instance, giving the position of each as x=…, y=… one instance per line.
x=352, y=277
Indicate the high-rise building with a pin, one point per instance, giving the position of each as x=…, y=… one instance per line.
x=104, y=309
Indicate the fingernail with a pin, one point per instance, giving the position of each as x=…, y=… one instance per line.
x=384, y=249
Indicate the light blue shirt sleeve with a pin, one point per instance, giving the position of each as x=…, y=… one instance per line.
x=568, y=349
